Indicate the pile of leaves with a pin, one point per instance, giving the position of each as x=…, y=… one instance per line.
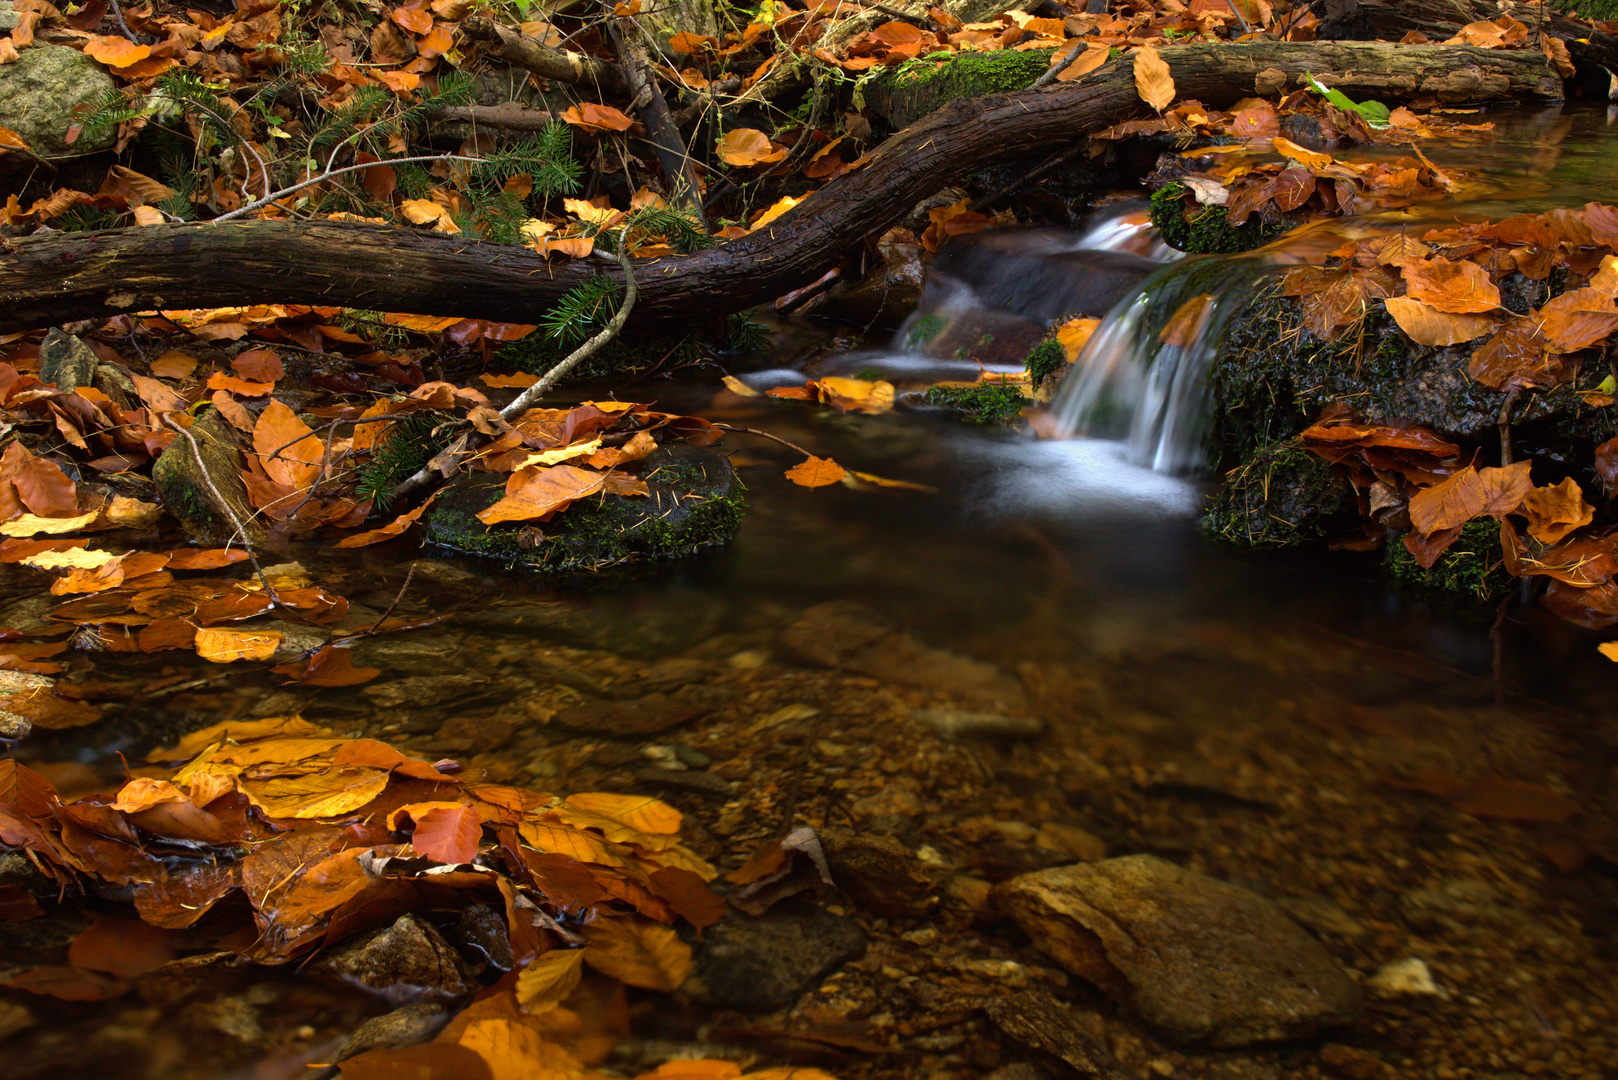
x=278, y=839
x=1448, y=288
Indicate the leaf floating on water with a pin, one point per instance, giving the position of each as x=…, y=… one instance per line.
x=816, y=472
x=1153, y=82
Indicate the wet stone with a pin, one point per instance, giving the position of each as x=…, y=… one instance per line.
x=1050, y=1028
x=759, y=965
x=408, y=961
x=878, y=873
x=405, y=1026
x=13, y=726
x=423, y=691
x=1200, y=960
x=473, y=734
x=621, y=719
x=481, y=933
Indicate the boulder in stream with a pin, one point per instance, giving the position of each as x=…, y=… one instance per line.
x=1200, y=960
x=696, y=502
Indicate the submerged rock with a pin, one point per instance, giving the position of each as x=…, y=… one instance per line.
x=406, y=962
x=39, y=92
x=696, y=502
x=878, y=873
x=759, y=965
x=406, y=1026
x=1049, y=1027
x=1200, y=960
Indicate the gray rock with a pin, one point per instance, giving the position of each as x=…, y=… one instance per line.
x=423, y=691
x=759, y=965
x=406, y=1026
x=1200, y=960
x=8, y=16
x=39, y=91
x=66, y=361
x=960, y=724
x=1047, y=1026
x=407, y=962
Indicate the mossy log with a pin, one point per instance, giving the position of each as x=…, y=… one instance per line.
x=54, y=278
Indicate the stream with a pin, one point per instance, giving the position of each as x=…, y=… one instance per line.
x=866, y=659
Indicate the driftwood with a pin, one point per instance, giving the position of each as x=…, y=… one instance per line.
x=48, y=279
x=562, y=65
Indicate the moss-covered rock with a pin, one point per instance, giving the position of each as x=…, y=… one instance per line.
x=900, y=96
x=1046, y=359
x=187, y=494
x=1281, y=496
x=1206, y=230
x=696, y=502
x=1473, y=565
x=980, y=403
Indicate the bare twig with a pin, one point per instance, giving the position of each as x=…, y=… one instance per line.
x=764, y=435
x=1067, y=62
x=328, y=173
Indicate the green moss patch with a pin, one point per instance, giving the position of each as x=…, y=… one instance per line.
x=905, y=94
x=1281, y=496
x=981, y=403
x=1205, y=230
x=1472, y=566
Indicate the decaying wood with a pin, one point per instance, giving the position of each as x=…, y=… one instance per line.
x=59, y=277
x=653, y=110
x=507, y=116
x=562, y=65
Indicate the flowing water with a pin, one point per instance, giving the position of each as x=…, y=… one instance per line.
x=1288, y=723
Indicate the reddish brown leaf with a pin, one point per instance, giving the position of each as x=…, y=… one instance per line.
x=258, y=365
x=68, y=984
x=1427, y=549
x=330, y=666
x=1467, y=494
x=1553, y=512
x=17, y=904
x=448, y=834
x=426, y=1061
x=125, y=948
x=689, y=896
x=40, y=485
x=1517, y=356
x=1455, y=287
x=1578, y=319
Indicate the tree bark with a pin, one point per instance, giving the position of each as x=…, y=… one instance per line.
x=47, y=279
x=548, y=63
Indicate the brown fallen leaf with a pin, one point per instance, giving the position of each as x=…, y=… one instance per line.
x=1153, y=82
x=1553, y=512
x=639, y=953
x=228, y=646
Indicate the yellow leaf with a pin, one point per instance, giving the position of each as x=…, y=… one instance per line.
x=639, y=953
x=421, y=211
x=129, y=513
x=816, y=472
x=779, y=207
x=32, y=525
x=562, y=840
x=546, y=983
x=516, y=1050
x=680, y=857
x=76, y=558
x=1609, y=649
x=1153, y=82
x=1074, y=335
x=561, y=454
x=228, y=646
x=328, y=793
x=637, y=811
x=882, y=481
x=858, y=395
x=1309, y=159
x=739, y=388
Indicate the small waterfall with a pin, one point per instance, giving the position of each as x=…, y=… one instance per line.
x=1143, y=376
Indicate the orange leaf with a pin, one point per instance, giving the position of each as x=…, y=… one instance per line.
x=1468, y=494
x=259, y=365
x=115, y=51
x=396, y=527
x=816, y=472
x=125, y=948
x=231, y=384
x=684, y=44
x=639, y=953
x=330, y=666
x=1457, y=287
x=287, y=448
x=40, y=485
x=542, y=494
x=174, y=364
x=745, y=147
x=1553, y=512
x=1426, y=325
x=228, y=646
x=593, y=117
x=1153, y=82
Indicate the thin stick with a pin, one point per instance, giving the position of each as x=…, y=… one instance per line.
x=1051, y=73
x=384, y=616
x=764, y=435
x=423, y=476
x=328, y=174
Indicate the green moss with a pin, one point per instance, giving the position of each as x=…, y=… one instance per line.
x=1471, y=566
x=1592, y=9
x=1205, y=230
x=1046, y=359
x=1280, y=497
x=981, y=403
x=906, y=94
x=922, y=332
x=696, y=502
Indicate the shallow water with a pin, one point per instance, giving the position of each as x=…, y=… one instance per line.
x=1274, y=721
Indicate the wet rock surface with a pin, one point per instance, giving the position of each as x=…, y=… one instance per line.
x=407, y=962
x=759, y=965
x=879, y=873
x=1202, y=961
x=39, y=91
x=1050, y=1028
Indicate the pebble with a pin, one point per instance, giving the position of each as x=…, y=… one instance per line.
x=960, y=724
x=406, y=962
x=878, y=873
x=1041, y=1023
x=1200, y=960
x=405, y=1026
x=1408, y=977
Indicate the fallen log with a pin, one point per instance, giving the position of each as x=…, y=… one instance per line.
x=60, y=277
x=562, y=65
